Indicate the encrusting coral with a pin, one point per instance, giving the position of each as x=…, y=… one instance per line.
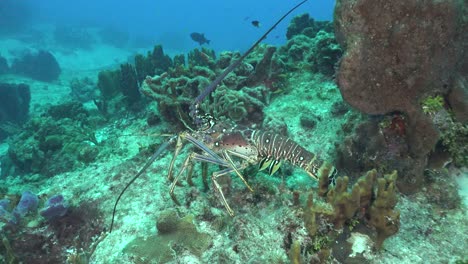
x=408, y=50
x=174, y=234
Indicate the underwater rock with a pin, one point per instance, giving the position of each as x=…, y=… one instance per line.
x=3, y=66
x=381, y=143
x=72, y=110
x=458, y=99
x=309, y=121
x=84, y=89
x=41, y=66
x=392, y=64
x=74, y=37
x=14, y=105
x=114, y=37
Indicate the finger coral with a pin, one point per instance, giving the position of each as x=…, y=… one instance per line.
x=370, y=203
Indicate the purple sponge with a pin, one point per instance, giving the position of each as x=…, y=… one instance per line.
x=4, y=203
x=28, y=203
x=55, y=207
x=6, y=216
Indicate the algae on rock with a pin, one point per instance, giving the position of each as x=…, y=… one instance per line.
x=175, y=234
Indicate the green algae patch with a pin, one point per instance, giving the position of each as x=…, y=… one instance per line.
x=162, y=247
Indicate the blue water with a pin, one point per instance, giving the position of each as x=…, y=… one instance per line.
x=226, y=23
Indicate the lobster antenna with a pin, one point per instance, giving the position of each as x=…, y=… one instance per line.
x=148, y=163
x=212, y=86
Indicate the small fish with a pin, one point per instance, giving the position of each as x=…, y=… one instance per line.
x=256, y=23
x=200, y=38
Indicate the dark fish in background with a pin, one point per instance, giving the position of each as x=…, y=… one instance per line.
x=256, y=23
x=200, y=38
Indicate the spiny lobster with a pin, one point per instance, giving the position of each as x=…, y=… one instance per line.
x=225, y=143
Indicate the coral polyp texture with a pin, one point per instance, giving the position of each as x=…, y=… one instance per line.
x=396, y=53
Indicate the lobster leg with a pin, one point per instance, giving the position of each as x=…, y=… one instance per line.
x=209, y=157
x=178, y=147
x=186, y=164
x=234, y=167
x=227, y=171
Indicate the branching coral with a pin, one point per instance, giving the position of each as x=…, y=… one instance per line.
x=382, y=215
x=241, y=97
x=345, y=204
x=364, y=203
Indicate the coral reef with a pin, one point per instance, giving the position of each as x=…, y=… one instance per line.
x=176, y=88
x=319, y=53
x=392, y=64
x=155, y=62
x=429, y=121
x=125, y=81
x=204, y=57
x=116, y=86
x=71, y=238
x=40, y=66
x=304, y=24
x=60, y=140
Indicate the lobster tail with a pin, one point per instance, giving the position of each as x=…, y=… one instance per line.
x=274, y=148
